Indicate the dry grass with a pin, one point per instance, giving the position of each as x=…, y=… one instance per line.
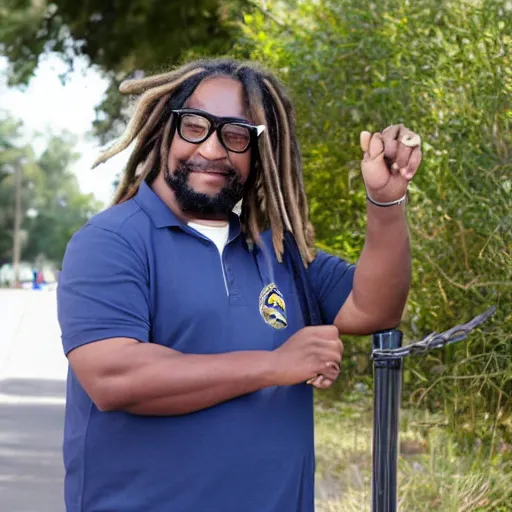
x=432, y=475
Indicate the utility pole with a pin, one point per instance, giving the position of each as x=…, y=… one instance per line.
x=18, y=219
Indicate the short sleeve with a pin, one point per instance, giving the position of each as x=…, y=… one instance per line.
x=331, y=279
x=103, y=290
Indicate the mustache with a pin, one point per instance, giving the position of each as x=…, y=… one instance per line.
x=206, y=167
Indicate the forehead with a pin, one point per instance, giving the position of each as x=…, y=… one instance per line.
x=221, y=96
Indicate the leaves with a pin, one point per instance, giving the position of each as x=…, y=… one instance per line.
x=444, y=70
x=49, y=191
x=121, y=37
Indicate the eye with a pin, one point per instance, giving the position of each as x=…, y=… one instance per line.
x=236, y=137
x=194, y=127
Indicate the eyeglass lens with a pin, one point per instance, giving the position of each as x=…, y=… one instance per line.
x=195, y=128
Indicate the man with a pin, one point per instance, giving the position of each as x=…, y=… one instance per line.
x=191, y=333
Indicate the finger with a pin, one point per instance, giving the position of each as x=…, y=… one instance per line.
x=414, y=163
x=329, y=373
x=334, y=375
x=333, y=370
x=364, y=139
x=332, y=351
x=374, y=168
x=324, y=384
x=376, y=146
x=410, y=139
x=337, y=353
x=394, y=129
x=402, y=156
x=327, y=332
x=317, y=381
x=390, y=139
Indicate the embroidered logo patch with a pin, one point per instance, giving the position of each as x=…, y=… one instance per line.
x=273, y=307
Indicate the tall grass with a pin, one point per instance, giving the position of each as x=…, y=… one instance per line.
x=433, y=474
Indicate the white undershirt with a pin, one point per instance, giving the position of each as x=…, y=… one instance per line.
x=219, y=236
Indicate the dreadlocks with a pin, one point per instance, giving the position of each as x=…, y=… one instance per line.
x=274, y=195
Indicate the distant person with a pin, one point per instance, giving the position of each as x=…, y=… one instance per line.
x=37, y=279
x=192, y=334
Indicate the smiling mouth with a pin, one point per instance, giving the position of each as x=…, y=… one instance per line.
x=218, y=173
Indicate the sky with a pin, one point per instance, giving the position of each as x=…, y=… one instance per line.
x=48, y=106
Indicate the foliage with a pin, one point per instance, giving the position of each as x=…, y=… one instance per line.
x=121, y=37
x=432, y=474
x=49, y=191
x=444, y=70
x=11, y=158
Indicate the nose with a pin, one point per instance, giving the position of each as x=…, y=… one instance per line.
x=212, y=149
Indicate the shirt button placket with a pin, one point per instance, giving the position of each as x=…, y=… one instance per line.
x=233, y=292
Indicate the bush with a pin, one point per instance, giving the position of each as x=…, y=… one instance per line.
x=445, y=70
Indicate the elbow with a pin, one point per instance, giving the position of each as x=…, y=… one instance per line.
x=108, y=396
x=107, y=405
x=387, y=320
x=387, y=324
x=375, y=325
x=362, y=321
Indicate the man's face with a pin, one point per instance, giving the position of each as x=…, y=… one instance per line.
x=207, y=178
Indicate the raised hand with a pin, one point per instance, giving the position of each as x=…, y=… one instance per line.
x=391, y=159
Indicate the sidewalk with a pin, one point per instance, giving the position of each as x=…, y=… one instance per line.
x=32, y=390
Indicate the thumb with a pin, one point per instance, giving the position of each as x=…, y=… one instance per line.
x=364, y=139
x=376, y=146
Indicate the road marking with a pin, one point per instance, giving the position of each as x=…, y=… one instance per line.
x=31, y=400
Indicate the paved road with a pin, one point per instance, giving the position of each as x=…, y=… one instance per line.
x=32, y=388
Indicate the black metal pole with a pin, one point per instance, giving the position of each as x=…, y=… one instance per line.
x=386, y=406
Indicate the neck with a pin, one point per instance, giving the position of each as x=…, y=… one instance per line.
x=166, y=194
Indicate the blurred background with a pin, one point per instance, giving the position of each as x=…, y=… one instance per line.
x=443, y=68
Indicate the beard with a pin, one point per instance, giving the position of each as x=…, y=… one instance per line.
x=194, y=202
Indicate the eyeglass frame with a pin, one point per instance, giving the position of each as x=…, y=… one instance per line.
x=216, y=125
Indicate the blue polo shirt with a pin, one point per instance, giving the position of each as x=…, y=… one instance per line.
x=135, y=270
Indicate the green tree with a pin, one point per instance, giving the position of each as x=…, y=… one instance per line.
x=53, y=206
x=13, y=159
x=61, y=208
x=121, y=37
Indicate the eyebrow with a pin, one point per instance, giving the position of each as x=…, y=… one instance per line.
x=201, y=107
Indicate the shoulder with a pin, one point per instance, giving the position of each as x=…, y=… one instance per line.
x=124, y=227
x=127, y=221
x=121, y=219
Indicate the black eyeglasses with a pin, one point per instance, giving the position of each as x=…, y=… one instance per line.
x=235, y=135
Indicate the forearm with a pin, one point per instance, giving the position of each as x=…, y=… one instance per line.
x=383, y=275
x=161, y=381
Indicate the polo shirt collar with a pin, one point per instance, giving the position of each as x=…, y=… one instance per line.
x=163, y=217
